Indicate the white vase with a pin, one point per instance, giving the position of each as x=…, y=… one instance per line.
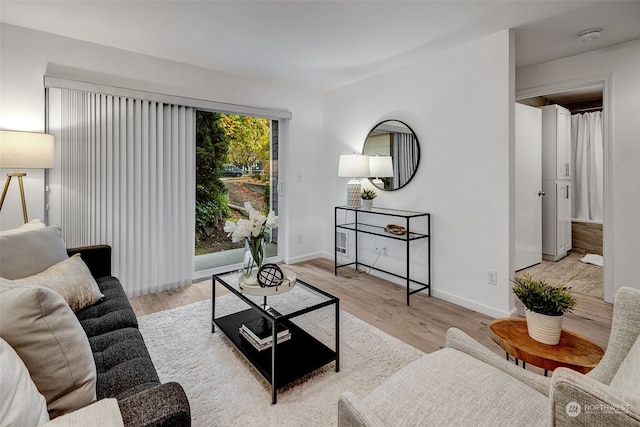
x=367, y=204
x=544, y=328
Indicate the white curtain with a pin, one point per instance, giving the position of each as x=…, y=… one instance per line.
x=126, y=177
x=587, y=140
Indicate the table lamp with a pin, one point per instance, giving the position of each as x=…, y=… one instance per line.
x=380, y=167
x=353, y=166
x=24, y=150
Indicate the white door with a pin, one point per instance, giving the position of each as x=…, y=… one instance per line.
x=528, y=186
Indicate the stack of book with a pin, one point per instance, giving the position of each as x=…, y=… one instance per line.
x=258, y=333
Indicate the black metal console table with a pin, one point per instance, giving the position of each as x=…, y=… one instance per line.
x=359, y=225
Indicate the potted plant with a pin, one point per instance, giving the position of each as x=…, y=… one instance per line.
x=545, y=306
x=367, y=196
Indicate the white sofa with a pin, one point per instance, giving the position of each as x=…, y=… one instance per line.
x=467, y=384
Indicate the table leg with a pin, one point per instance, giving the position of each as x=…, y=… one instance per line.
x=337, y=320
x=274, y=364
x=213, y=305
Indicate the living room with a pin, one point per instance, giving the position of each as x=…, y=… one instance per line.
x=458, y=99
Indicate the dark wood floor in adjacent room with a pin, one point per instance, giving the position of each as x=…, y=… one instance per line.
x=383, y=305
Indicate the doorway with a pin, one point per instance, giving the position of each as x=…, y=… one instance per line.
x=583, y=267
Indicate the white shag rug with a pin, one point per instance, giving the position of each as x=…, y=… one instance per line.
x=224, y=390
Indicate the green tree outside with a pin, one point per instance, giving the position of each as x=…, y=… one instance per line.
x=212, y=146
x=250, y=140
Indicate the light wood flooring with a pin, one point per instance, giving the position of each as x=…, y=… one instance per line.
x=383, y=305
x=571, y=272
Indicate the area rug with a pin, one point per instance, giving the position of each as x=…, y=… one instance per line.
x=224, y=390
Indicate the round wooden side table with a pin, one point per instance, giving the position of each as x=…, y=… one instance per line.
x=573, y=351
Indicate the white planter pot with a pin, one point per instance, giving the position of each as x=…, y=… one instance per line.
x=543, y=328
x=367, y=204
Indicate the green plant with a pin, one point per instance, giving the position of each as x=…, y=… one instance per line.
x=368, y=194
x=543, y=298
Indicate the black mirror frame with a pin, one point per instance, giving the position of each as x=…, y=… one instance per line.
x=418, y=150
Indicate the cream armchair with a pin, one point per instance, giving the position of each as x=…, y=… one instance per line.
x=467, y=384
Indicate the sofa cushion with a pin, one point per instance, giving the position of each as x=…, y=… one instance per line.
x=123, y=364
x=627, y=379
x=112, y=312
x=71, y=279
x=47, y=336
x=421, y=393
x=28, y=253
x=21, y=404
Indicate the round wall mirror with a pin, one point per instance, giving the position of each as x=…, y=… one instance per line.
x=395, y=154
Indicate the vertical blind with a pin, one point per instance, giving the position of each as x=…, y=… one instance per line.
x=405, y=157
x=126, y=177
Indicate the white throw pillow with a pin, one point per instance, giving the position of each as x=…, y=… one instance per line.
x=21, y=404
x=627, y=379
x=34, y=224
x=70, y=278
x=30, y=252
x=39, y=325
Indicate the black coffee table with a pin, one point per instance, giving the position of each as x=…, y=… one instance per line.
x=290, y=360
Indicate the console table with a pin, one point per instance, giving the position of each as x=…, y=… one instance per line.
x=361, y=224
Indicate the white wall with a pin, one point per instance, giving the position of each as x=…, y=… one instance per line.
x=460, y=104
x=27, y=55
x=621, y=65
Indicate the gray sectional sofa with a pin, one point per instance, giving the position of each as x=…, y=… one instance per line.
x=71, y=340
x=124, y=368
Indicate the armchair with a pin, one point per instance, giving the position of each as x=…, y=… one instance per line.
x=467, y=384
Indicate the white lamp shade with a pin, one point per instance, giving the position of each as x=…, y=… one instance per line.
x=353, y=166
x=380, y=166
x=25, y=150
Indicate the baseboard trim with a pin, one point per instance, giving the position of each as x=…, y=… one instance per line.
x=471, y=305
x=303, y=258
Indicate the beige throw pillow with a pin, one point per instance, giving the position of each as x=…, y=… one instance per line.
x=21, y=404
x=70, y=278
x=103, y=413
x=47, y=336
x=28, y=253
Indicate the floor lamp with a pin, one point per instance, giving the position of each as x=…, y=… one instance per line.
x=24, y=150
x=353, y=166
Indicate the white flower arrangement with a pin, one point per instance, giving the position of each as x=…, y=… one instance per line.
x=253, y=231
x=255, y=226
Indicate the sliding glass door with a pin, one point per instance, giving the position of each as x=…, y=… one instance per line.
x=236, y=162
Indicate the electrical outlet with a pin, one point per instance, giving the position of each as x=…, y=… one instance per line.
x=492, y=277
x=385, y=251
x=299, y=238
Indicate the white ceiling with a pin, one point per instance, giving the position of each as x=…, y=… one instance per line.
x=325, y=44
